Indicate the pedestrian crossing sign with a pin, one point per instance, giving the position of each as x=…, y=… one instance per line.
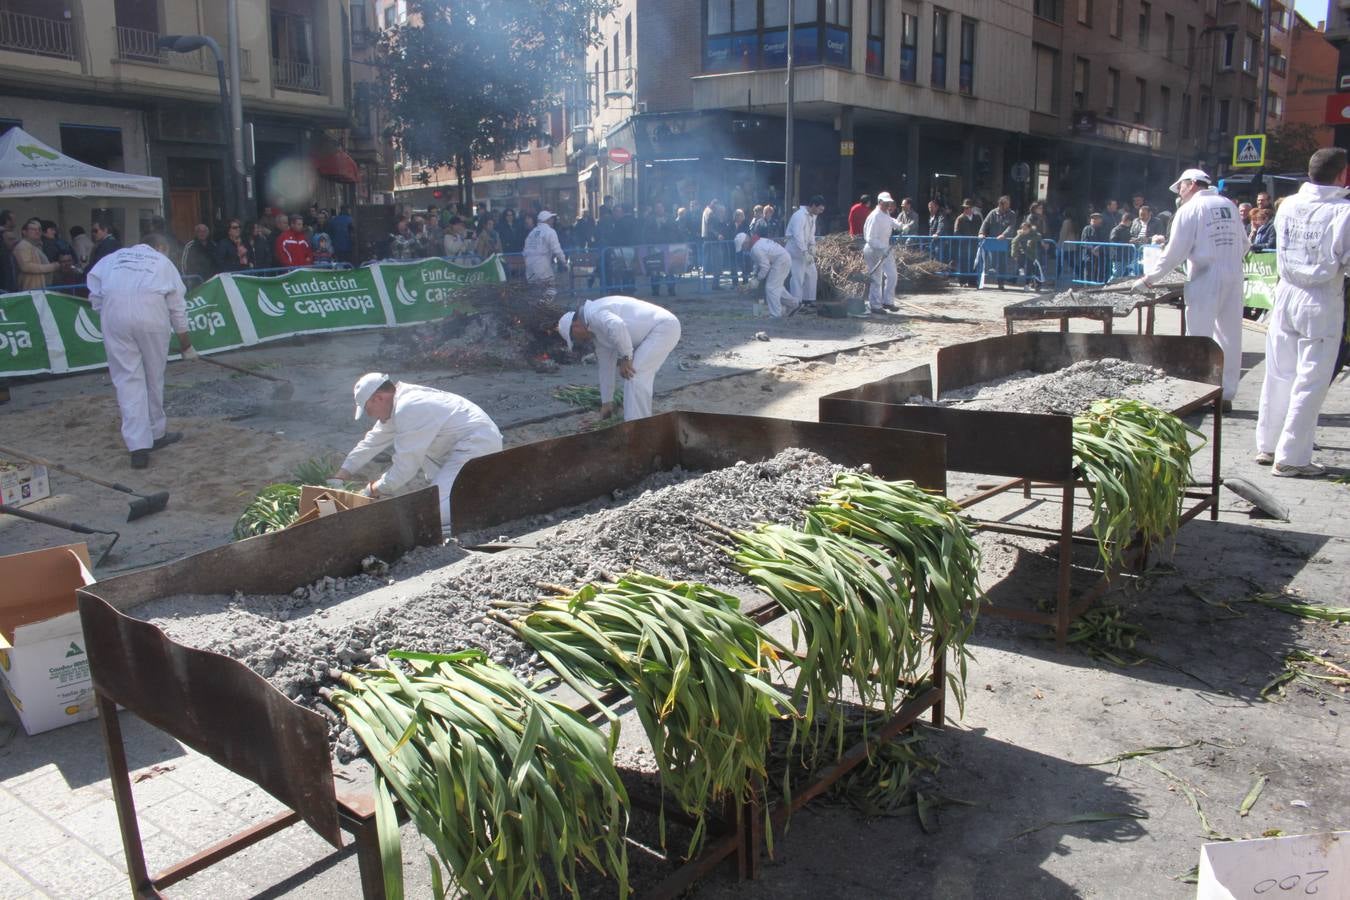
x=1249, y=151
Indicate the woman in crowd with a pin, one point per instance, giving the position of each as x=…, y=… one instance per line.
x=233, y=252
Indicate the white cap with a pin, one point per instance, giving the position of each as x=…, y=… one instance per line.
x=740, y=241
x=367, y=385
x=565, y=329
x=543, y=216
x=1190, y=175
x=885, y=197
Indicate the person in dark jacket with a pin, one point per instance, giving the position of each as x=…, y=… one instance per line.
x=233, y=252
x=513, y=235
x=967, y=225
x=1121, y=233
x=1263, y=229
x=659, y=233
x=105, y=242
x=1092, y=263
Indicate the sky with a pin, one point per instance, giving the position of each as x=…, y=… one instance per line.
x=1313, y=10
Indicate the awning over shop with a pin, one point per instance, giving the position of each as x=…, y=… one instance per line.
x=29, y=168
x=585, y=174
x=339, y=166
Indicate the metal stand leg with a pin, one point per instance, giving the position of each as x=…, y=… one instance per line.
x=141, y=885
x=1065, y=568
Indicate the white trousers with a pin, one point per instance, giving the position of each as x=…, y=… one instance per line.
x=777, y=297
x=475, y=445
x=647, y=359
x=1214, y=310
x=538, y=268
x=803, y=284
x=881, y=281
x=136, y=359
x=1303, y=335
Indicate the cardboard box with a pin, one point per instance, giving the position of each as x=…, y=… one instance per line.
x=318, y=502
x=43, y=666
x=22, y=484
x=1304, y=865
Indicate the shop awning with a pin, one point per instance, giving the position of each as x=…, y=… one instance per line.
x=339, y=166
x=585, y=174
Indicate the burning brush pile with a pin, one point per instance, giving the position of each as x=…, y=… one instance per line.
x=510, y=325
x=839, y=256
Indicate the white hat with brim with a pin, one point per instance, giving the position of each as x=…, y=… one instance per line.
x=740, y=241
x=366, y=386
x=544, y=216
x=565, y=329
x=1190, y=175
x=885, y=197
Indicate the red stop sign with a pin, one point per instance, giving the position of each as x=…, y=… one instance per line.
x=620, y=155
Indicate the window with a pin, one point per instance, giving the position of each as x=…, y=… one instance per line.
x=596, y=81
x=628, y=39
x=1145, y=23
x=1117, y=18
x=1085, y=12
x=967, y=74
x=1248, y=116
x=1046, y=98
x=390, y=16
x=1170, y=34
x=1223, y=116
x=1048, y=9
x=1081, y=74
x=876, y=38
x=1112, y=92
x=1140, y=100
x=909, y=48
x=1190, y=45
x=1276, y=105
x=939, y=79
x=93, y=144
x=749, y=34
x=1226, y=50
x=1249, y=54
x=1185, y=115
x=1279, y=64
x=1165, y=113
x=1279, y=18
x=292, y=38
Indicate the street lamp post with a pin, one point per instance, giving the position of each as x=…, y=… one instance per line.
x=188, y=43
x=788, y=157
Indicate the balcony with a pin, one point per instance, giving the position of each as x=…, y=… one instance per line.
x=37, y=35
x=293, y=75
x=140, y=46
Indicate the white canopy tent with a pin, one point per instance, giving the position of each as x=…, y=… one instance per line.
x=32, y=171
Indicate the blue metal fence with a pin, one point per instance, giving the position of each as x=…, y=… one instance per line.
x=1087, y=262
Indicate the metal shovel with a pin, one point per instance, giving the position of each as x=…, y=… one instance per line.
x=68, y=526
x=283, y=390
x=142, y=505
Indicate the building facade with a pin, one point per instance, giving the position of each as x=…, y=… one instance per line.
x=89, y=78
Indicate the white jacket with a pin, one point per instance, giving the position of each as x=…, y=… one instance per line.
x=878, y=228
x=1207, y=232
x=766, y=254
x=619, y=324
x=801, y=232
x=1313, y=238
x=423, y=430
x=542, y=242
x=138, y=289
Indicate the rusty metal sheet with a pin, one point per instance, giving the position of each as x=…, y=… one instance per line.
x=961, y=365
x=216, y=706
x=897, y=388
x=284, y=560
x=548, y=475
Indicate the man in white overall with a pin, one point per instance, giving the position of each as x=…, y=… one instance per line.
x=435, y=431
x=801, y=246
x=1312, y=254
x=1207, y=232
x=632, y=337
x=877, y=255
x=772, y=265
x=140, y=299
x=542, y=250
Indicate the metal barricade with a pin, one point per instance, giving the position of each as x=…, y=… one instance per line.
x=961, y=255
x=1087, y=262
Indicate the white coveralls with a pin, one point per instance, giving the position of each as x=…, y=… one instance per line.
x=801, y=247
x=879, y=259
x=633, y=328
x=540, y=252
x=139, y=296
x=772, y=266
x=435, y=431
x=1304, y=332
x=1207, y=232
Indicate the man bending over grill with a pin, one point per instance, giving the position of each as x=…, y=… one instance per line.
x=632, y=337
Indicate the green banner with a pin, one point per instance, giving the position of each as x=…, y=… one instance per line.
x=23, y=346
x=425, y=290
x=1258, y=280
x=46, y=332
x=310, y=300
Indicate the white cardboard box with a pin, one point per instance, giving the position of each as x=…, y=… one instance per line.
x=23, y=484
x=1305, y=865
x=44, y=669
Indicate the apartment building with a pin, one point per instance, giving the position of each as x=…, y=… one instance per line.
x=89, y=77
x=1311, y=97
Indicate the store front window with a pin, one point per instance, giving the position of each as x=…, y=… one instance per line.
x=752, y=34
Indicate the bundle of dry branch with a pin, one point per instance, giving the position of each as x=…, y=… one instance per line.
x=839, y=256
x=504, y=325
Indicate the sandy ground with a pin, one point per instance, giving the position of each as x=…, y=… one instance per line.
x=1035, y=720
